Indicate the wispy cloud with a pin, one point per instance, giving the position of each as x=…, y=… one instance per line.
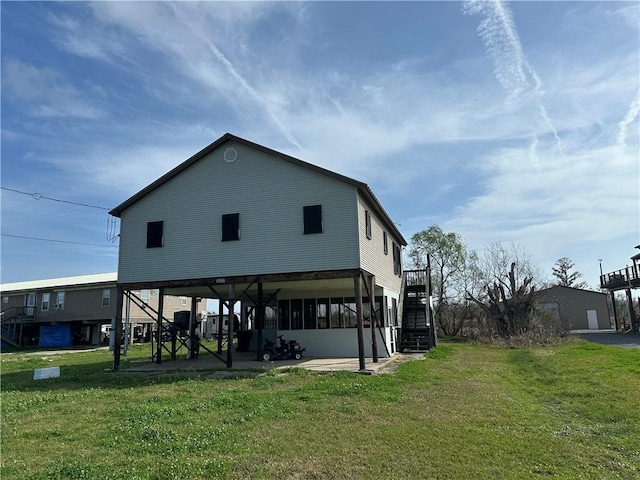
x=44, y=91
x=632, y=114
x=511, y=67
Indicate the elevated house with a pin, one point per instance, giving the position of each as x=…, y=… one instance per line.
x=299, y=250
x=71, y=311
x=575, y=308
x=626, y=279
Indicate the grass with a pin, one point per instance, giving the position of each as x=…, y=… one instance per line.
x=467, y=411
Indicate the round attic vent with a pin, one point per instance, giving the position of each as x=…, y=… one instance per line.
x=230, y=155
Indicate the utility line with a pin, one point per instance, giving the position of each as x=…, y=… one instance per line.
x=37, y=196
x=57, y=241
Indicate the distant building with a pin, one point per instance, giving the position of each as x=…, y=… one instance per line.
x=576, y=308
x=74, y=311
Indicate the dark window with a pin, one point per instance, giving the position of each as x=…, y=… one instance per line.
x=310, y=313
x=296, y=314
x=394, y=312
x=154, y=234
x=283, y=315
x=337, y=313
x=312, y=219
x=323, y=313
x=397, y=259
x=367, y=223
x=350, y=313
x=230, y=227
x=270, y=317
x=385, y=241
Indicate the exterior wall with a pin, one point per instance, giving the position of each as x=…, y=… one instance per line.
x=268, y=193
x=333, y=342
x=171, y=305
x=79, y=304
x=573, y=303
x=340, y=341
x=372, y=256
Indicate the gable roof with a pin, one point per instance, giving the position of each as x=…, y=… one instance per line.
x=78, y=281
x=363, y=188
x=558, y=287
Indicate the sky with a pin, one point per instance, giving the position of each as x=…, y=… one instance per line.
x=500, y=121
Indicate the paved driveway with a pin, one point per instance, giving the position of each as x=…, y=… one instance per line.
x=625, y=340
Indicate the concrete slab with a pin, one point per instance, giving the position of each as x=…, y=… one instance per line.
x=246, y=361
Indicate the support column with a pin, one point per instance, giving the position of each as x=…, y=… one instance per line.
x=220, y=324
x=159, y=320
x=118, y=328
x=373, y=320
x=230, y=327
x=192, y=350
x=632, y=312
x=127, y=325
x=433, y=334
x=615, y=312
x=358, y=293
x=259, y=321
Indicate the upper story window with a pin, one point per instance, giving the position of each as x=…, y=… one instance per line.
x=230, y=227
x=385, y=243
x=367, y=223
x=59, y=301
x=312, y=219
x=183, y=300
x=106, y=297
x=155, y=238
x=5, y=299
x=46, y=300
x=145, y=295
x=397, y=259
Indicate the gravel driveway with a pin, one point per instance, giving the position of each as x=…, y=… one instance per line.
x=625, y=340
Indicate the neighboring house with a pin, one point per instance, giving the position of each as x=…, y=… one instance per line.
x=576, y=308
x=71, y=310
x=626, y=279
x=240, y=222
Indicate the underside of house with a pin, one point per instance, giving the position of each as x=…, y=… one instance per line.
x=329, y=313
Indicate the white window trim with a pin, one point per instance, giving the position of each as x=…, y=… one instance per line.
x=42, y=301
x=106, y=297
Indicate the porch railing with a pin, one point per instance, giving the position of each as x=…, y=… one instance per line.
x=625, y=277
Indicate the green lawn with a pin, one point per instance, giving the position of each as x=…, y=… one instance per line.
x=466, y=412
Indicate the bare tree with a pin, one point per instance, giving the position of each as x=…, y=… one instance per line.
x=509, y=304
x=565, y=277
x=509, y=283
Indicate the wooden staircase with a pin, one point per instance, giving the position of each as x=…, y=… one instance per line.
x=416, y=333
x=11, y=324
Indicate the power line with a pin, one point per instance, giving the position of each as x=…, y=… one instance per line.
x=37, y=196
x=57, y=241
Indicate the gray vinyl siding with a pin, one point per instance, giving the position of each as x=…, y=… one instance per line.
x=372, y=256
x=268, y=193
x=79, y=305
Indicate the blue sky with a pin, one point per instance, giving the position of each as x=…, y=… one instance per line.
x=512, y=122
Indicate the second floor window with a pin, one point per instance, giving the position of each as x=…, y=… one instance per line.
x=312, y=219
x=385, y=242
x=59, y=301
x=155, y=238
x=46, y=298
x=183, y=300
x=230, y=227
x=106, y=297
x=145, y=295
x=367, y=223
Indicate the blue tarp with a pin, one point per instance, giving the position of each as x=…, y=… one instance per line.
x=55, y=335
